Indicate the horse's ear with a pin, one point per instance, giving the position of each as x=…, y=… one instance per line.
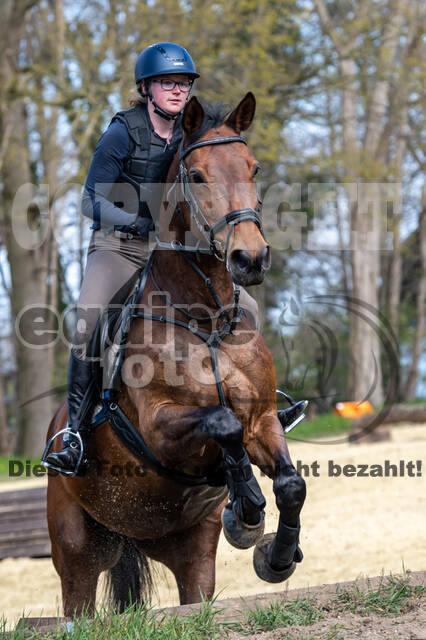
x=241, y=117
x=193, y=116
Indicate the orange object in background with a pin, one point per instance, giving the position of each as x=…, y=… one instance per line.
x=353, y=409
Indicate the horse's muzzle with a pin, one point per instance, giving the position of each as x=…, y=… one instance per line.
x=247, y=269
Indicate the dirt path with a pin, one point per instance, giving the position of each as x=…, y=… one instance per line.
x=351, y=527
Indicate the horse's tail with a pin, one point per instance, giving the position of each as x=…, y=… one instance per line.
x=129, y=582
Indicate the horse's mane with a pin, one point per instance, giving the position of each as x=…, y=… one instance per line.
x=214, y=115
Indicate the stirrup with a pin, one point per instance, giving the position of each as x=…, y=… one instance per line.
x=297, y=408
x=74, y=472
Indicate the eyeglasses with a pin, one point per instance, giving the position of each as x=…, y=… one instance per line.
x=169, y=85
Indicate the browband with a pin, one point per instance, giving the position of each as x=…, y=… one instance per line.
x=205, y=143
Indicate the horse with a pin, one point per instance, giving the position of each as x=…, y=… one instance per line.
x=198, y=392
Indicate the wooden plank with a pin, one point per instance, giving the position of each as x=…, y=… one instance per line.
x=22, y=538
x=23, y=524
x=34, y=514
x=38, y=550
x=18, y=495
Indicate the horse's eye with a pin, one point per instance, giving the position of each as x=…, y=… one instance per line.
x=196, y=177
x=256, y=170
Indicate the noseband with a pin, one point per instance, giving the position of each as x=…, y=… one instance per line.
x=231, y=219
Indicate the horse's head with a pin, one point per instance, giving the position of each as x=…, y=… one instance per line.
x=217, y=174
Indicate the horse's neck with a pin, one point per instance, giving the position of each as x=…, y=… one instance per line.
x=175, y=275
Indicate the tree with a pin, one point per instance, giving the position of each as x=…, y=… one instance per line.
x=374, y=45
x=419, y=332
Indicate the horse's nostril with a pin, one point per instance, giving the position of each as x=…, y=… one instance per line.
x=264, y=258
x=242, y=260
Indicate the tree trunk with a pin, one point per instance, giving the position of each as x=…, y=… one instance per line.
x=4, y=430
x=23, y=225
x=395, y=270
x=397, y=414
x=28, y=272
x=366, y=372
x=410, y=387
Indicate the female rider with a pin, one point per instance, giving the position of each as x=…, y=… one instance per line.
x=135, y=151
x=129, y=166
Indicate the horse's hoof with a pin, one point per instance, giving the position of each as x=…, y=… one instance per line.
x=261, y=564
x=238, y=533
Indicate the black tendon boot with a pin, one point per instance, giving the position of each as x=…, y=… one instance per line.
x=81, y=385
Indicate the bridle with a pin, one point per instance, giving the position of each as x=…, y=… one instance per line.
x=208, y=231
x=227, y=321
x=227, y=318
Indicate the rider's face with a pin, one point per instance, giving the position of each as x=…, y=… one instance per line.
x=171, y=101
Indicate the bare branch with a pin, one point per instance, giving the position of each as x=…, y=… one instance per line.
x=326, y=23
x=4, y=143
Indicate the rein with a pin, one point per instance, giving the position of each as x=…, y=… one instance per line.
x=111, y=410
x=213, y=339
x=231, y=219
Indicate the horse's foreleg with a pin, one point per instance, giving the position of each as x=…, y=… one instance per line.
x=243, y=517
x=191, y=556
x=276, y=555
x=186, y=430
x=81, y=549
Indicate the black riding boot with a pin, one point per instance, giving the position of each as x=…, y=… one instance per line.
x=81, y=385
x=290, y=417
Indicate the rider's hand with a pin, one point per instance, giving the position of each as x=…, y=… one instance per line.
x=141, y=227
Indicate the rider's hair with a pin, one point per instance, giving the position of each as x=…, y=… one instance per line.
x=136, y=98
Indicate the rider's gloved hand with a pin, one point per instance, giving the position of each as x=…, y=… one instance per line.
x=140, y=227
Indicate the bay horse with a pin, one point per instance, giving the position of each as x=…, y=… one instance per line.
x=201, y=395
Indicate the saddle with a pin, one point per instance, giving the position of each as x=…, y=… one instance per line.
x=107, y=345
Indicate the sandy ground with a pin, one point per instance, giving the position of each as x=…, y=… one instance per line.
x=351, y=527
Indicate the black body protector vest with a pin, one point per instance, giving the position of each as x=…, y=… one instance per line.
x=139, y=189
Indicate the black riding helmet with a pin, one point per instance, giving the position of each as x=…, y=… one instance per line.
x=160, y=59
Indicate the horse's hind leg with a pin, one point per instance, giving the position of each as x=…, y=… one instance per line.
x=81, y=549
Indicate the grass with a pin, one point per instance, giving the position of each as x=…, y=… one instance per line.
x=137, y=623
x=302, y=612
x=393, y=596
x=4, y=466
x=328, y=424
